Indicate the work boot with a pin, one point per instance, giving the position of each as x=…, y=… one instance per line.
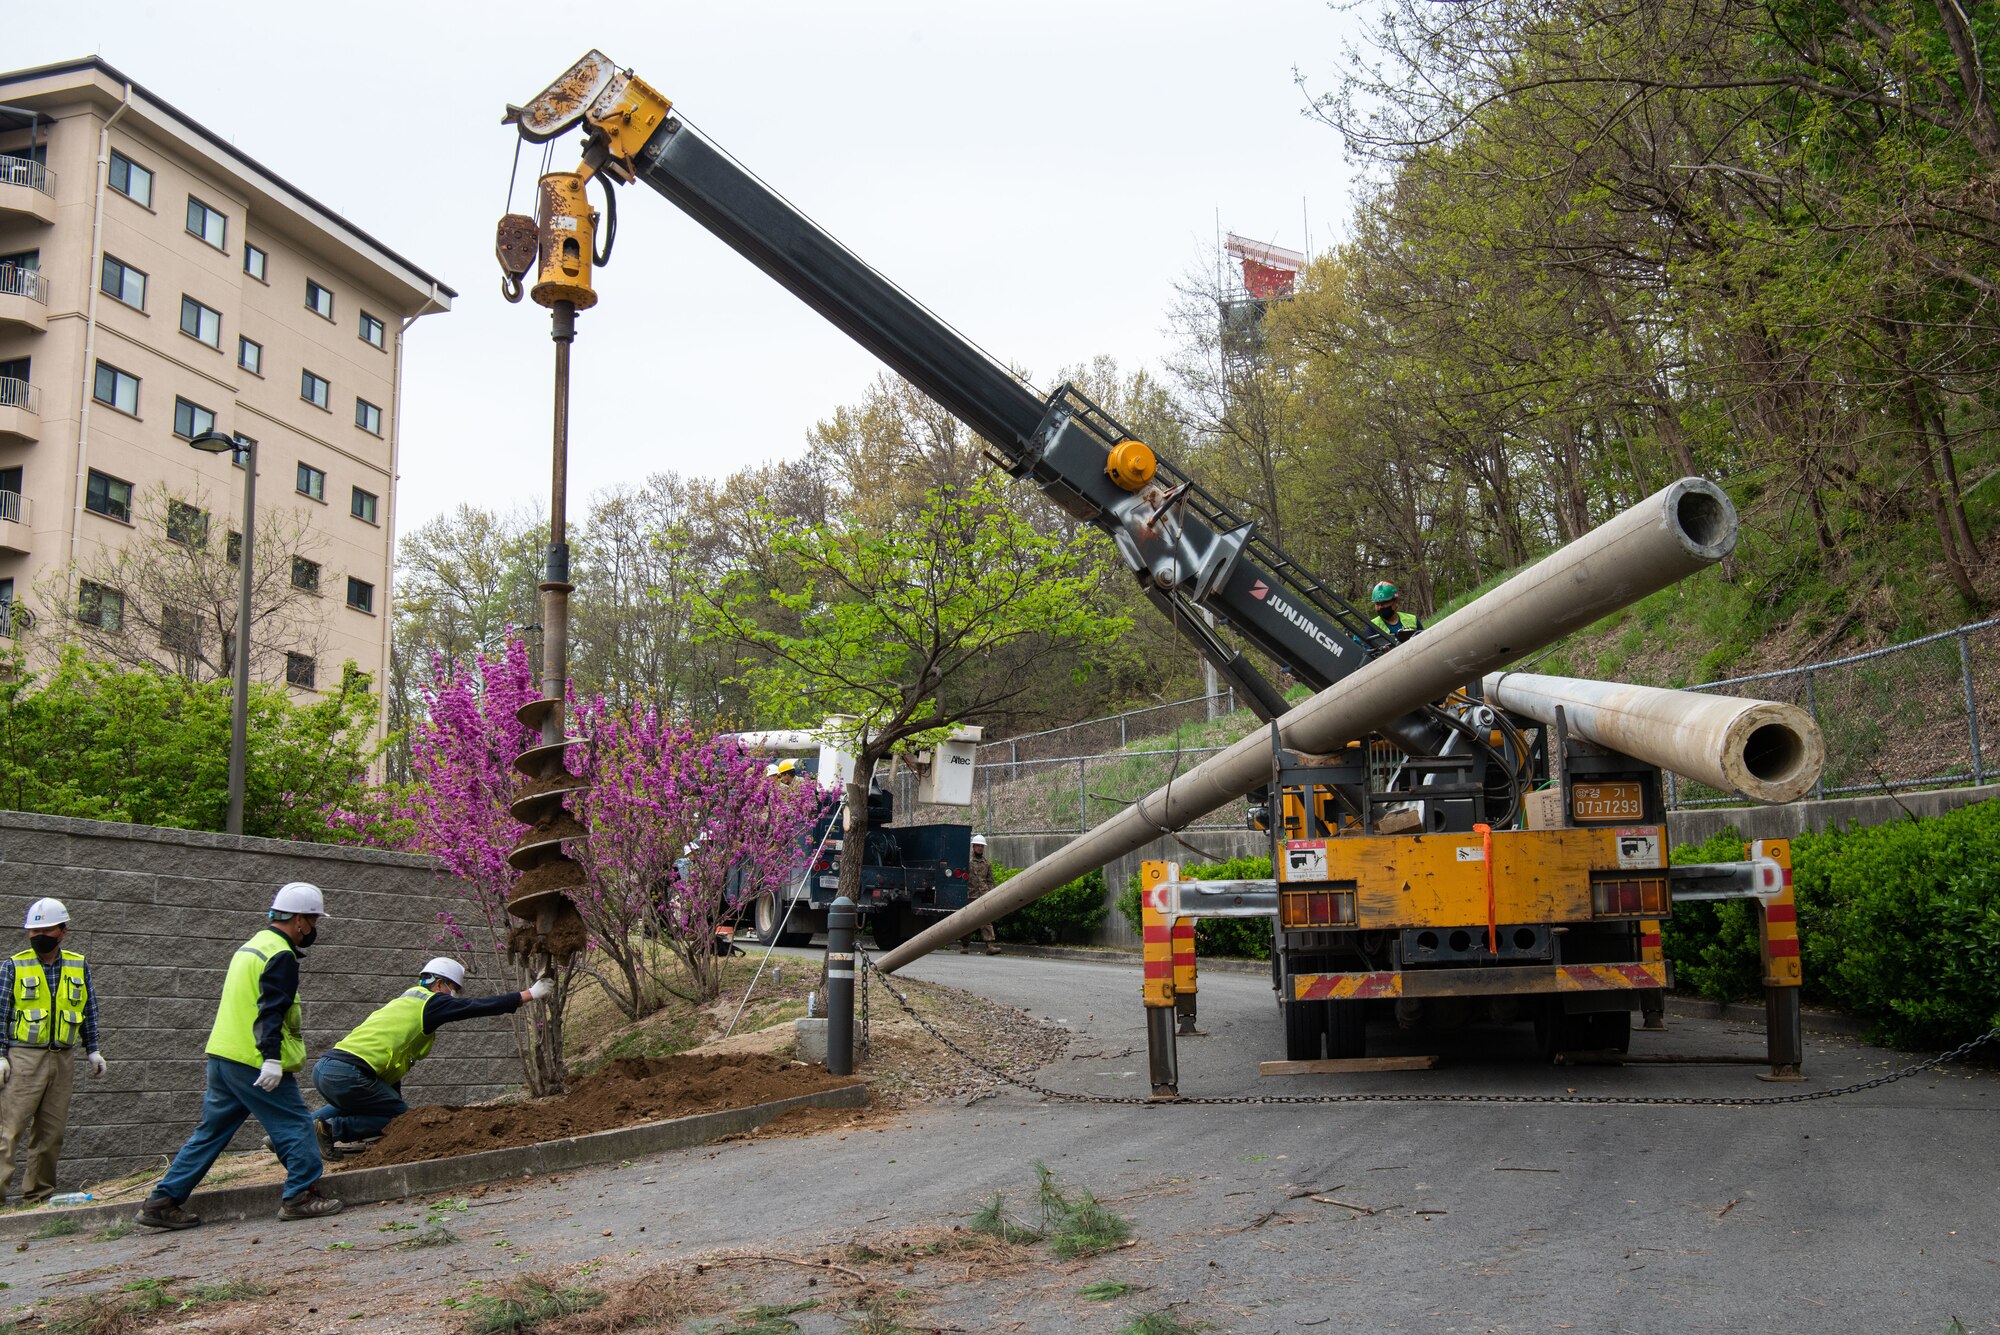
x=164, y=1212
x=992, y=950
x=327, y=1149
x=308, y=1204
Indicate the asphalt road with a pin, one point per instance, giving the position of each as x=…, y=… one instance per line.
x=1877, y=1211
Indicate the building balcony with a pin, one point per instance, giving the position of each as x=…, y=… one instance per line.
x=20, y=411
x=27, y=190
x=15, y=525
x=24, y=299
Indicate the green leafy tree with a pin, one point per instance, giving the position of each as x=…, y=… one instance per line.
x=96, y=740
x=906, y=631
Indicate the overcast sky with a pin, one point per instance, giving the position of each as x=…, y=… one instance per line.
x=1040, y=174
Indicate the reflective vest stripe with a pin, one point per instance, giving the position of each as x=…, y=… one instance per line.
x=234, y=1035
x=43, y=1021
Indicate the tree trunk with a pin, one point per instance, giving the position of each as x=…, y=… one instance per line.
x=854, y=838
x=1920, y=435
x=1954, y=499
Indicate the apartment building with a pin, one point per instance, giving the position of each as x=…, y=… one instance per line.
x=156, y=284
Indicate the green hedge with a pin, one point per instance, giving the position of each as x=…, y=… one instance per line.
x=1237, y=938
x=1898, y=924
x=1070, y=913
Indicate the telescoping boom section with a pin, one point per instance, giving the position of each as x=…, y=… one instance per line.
x=1189, y=552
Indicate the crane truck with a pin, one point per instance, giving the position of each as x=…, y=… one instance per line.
x=1401, y=880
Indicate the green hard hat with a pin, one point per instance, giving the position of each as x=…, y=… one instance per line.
x=1384, y=592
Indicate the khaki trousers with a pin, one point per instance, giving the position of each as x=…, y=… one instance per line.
x=35, y=1102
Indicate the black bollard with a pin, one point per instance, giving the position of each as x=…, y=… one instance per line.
x=841, y=921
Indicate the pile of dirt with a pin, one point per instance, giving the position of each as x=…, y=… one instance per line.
x=626, y=1092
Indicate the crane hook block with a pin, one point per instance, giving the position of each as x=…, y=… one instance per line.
x=1131, y=465
x=565, y=227
x=515, y=246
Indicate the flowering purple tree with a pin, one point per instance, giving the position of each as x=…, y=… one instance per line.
x=684, y=830
x=462, y=751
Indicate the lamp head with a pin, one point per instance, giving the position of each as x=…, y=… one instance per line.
x=217, y=442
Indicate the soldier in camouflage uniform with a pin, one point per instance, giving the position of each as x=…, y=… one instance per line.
x=978, y=880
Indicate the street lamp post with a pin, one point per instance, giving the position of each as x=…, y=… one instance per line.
x=243, y=452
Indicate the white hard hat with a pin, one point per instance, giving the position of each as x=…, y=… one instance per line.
x=45, y=913
x=979, y=841
x=300, y=897
x=448, y=969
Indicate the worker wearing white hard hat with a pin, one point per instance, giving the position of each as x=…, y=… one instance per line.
x=978, y=880
x=255, y=1049
x=361, y=1079
x=47, y=1014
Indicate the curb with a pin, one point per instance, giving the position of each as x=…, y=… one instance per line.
x=1813, y=1022
x=366, y=1186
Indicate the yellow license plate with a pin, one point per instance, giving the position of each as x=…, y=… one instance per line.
x=1606, y=802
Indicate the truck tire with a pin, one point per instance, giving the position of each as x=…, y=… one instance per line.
x=1347, y=1029
x=1305, y=1030
x=892, y=925
x=769, y=913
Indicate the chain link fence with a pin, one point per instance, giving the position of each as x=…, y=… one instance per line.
x=1113, y=732
x=1925, y=714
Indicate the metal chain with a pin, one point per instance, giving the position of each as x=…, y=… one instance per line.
x=1676, y=1100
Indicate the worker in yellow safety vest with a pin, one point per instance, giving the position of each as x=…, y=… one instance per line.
x=254, y=1049
x=362, y=1078
x=46, y=1012
x=1398, y=626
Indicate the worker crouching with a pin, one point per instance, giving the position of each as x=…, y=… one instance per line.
x=361, y=1079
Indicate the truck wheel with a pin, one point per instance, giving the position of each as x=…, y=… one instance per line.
x=769, y=913
x=892, y=926
x=1305, y=1030
x=1347, y=1029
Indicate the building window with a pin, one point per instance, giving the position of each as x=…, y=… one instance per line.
x=318, y=300
x=305, y=574
x=15, y=381
x=299, y=670
x=312, y=482
x=362, y=507
x=122, y=281
x=250, y=356
x=198, y=321
x=108, y=496
x=128, y=178
x=255, y=262
x=360, y=595
x=207, y=224
x=101, y=607
x=371, y=330
x=367, y=416
x=7, y=607
x=116, y=388
x=315, y=390
x=232, y=548
x=180, y=631
x=191, y=419
x=187, y=524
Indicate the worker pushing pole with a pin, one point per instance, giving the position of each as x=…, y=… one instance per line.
x=1682, y=528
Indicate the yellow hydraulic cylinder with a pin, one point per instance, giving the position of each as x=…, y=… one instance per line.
x=565, y=230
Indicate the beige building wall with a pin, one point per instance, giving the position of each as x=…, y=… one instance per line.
x=72, y=215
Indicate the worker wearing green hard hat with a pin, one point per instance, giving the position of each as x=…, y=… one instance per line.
x=1399, y=626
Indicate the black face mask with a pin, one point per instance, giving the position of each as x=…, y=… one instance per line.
x=312, y=935
x=44, y=945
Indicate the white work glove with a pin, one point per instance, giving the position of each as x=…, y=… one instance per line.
x=97, y=1063
x=269, y=1075
x=6, y=1070
x=541, y=987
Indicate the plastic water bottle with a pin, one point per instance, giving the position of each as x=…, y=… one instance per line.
x=812, y=1005
x=72, y=1198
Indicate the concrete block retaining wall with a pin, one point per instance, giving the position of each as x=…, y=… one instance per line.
x=159, y=912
